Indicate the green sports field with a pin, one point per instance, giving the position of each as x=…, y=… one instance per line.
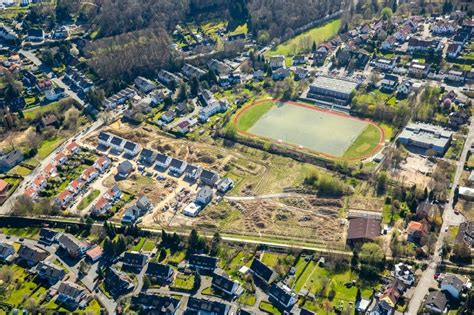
x=306, y=127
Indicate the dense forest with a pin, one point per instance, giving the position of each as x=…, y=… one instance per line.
x=131, y=37
x=279, y=17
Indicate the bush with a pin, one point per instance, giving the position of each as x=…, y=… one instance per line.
x=330, y=187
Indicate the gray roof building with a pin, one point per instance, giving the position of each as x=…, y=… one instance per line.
x=426, y=136
x=336, y=90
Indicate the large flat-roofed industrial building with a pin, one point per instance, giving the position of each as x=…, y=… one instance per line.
x=332, y=90
x=426, y=137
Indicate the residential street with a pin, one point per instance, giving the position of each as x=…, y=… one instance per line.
x=449, y=218
x=88, y=280
x=58, y=81
x=7, y=206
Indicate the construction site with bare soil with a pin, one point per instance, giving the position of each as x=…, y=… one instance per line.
x=269, y=198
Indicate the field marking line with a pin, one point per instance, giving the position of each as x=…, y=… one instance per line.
x=312, y=107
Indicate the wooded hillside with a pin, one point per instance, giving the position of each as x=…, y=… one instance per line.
x=279, y=17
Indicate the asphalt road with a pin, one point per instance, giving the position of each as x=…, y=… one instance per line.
x=88, y=280
x=58, y=81
x=449, y=218
x=8, y=205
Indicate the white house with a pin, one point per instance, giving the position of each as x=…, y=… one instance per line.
x=162, y=160
x=113, y=193
x=90, y=174
x=39, y=182
x=442, y=27
x=212, y=109
x=177, y=166
x=117, y=143
x=436, y=302
x=168, y=78
x=192, y=210
x=6, y=250
x=388, y=43
x=277, y=61
x=453, y=50
x=102, y=163
x=101, y=206
x=54, y=93
x=63, y=198
x=76, y=186
x=131, y=148
x=60, y=158
x=145, y=85
x=384, y=64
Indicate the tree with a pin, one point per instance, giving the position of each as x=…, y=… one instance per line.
x=146, y=283
x=263, y=37
x=462, y=251
x=162, y=254
x=13, y=88
x=183, y=92
x=371, y=253
x=358, y=296
x=96, y=97
x=387, y=13
x=215, y=244
x=195, y=243
x=194, y=86
x=381, y=183
x=47, y=57
x=108, y=246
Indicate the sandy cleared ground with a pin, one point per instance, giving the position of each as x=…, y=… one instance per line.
x=254, y=172
x=414, y=171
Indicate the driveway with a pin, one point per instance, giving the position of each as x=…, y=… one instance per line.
x=449, y=218
x=88, y=280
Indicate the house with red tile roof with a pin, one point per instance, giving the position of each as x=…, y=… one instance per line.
x=3, y=187
x=94, y=254
x=76, y=186
x=102, y=163
x=39, y=182
x=31, y=192
x=417, y=231
x=101, y=206
x=113, y=193
x=60, y=158
x=73, y=147
x=49, y=170
x=63, y=198
x=90, y=174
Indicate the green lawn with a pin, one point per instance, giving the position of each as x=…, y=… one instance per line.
x=19, y=170
x=93, y=307
x=26, y=232
x=271, y=259
x=298, y=43
x=183, y=282
x=253, y=114
x=48, y=146
x=268, y=308
x=364, y=143
x=174, y=258
x=139, y=245
x=300, y=268
x=311, y=278
x=149, y=246
x=371, y=98
x=20, y=287
x=32, y=113
x=241, y=29
x=247, y=299
x=86, y=201
x=387, y=131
